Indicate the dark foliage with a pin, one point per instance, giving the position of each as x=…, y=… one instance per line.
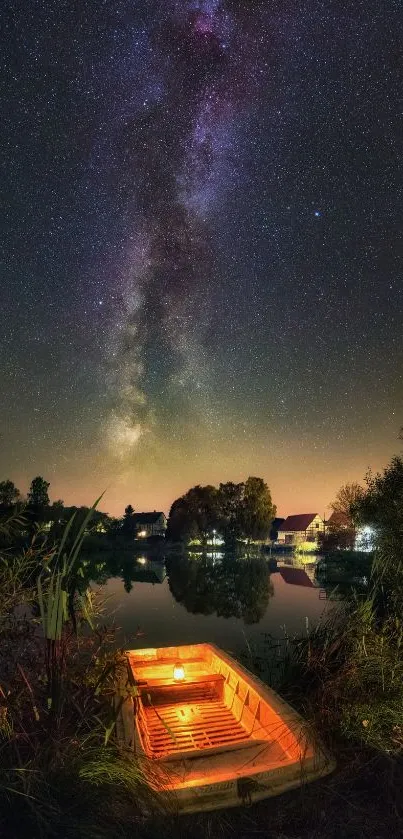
x=236, y=511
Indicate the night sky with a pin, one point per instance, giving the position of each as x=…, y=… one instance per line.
x=201, y=246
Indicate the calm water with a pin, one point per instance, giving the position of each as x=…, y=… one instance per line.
x=233, y=603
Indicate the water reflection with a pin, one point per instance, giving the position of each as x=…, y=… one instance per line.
x=142, y=570
x=295, y=576
x=207, y=583
x=230, y=601
x=210, y=582
x=131, y=568
x=224, y=586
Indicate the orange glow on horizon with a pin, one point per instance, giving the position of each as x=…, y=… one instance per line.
x=299, y=476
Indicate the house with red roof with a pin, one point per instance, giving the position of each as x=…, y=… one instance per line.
x=304, y=527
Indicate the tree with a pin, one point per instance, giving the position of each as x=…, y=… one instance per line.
x=236, y=510
x=181, y=526
x=341, y=528
x=230, y=497
x=38, y=498
x=9, y=494
x=128, y=523
x=381, y=508
x=194, y=515
x=345, y=503
x=203, y=508
x=57, y=511
x=113, y=528
x=257, y=510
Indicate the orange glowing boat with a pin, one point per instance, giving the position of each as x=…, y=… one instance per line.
x=211, y=733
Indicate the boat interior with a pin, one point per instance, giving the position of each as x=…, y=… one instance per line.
x=192, y=700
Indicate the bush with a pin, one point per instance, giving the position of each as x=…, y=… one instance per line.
x=351, y=678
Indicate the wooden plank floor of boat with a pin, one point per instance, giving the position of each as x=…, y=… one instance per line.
x=202, y=722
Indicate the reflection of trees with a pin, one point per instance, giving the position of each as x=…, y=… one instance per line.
x=100, y=569
x=127, y=575
x=231, y=588
x=344, y=579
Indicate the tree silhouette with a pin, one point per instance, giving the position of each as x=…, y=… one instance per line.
x=235, y=510
x=230, y=503
x=128, y=523
x=257, y=510
x=9, y=494
x=38, y=498
x=381, y=508
x=341, y=529
x=343, y=506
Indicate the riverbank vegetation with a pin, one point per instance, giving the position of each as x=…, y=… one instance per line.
x=61, y=773
x=354, y=662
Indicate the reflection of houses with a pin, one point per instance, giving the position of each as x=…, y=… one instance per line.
x=301, y=528
x=149, y=572
x=150, y=524
x=295, y=577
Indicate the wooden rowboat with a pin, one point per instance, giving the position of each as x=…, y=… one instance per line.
x=211, y=733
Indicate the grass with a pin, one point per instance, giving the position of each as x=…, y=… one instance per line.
x=358, y=801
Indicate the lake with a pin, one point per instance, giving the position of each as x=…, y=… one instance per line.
x=235, y=604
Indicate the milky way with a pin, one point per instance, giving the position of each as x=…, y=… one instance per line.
x=181, y=150
x=201, y=246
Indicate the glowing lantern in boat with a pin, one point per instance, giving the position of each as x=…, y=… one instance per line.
x=179, y=672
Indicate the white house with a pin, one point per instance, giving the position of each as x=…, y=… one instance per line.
x=150, y=524
x=304, y=527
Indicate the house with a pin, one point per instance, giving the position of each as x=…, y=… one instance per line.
x=150, y=524
x=276, y=523
x=304, y=527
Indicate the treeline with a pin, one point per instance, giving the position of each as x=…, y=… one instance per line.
x=37, y=509
x=234, y=511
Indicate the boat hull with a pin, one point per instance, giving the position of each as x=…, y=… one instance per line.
x=240, y=744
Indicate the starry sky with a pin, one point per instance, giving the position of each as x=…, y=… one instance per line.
x=201, y=246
